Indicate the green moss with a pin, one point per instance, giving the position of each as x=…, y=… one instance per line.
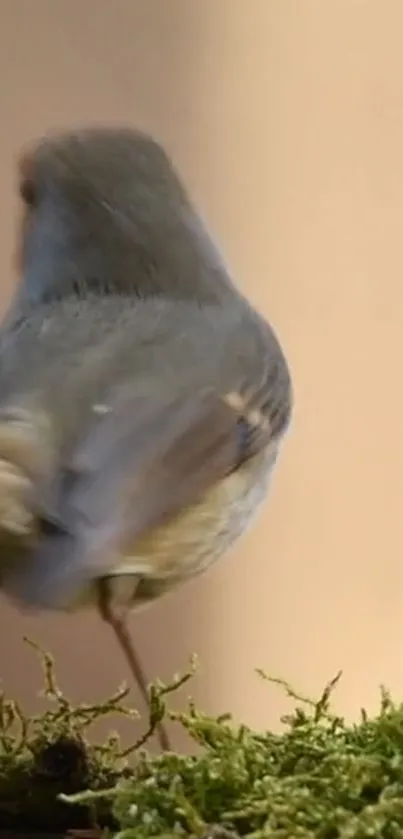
x=45, y=755
x=319, y=777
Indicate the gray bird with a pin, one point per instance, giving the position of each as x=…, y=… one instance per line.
x=143, y=400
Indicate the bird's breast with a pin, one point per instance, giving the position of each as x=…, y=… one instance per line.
x=197, y=537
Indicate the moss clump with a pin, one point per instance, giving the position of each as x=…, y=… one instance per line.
x=45, y=755
x=319, y=777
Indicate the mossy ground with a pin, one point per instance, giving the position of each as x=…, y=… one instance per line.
x=319, y=777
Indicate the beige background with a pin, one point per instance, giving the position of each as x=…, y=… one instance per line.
x=286, y=119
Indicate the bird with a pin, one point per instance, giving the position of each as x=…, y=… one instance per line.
x=143, y=399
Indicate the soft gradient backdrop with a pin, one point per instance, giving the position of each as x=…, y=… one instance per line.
x=286, y=120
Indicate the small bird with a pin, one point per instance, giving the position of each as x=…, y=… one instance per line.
x=143, y=400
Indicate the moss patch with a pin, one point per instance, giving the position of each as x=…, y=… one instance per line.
x=318, y=777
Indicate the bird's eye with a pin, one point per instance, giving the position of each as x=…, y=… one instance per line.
x=28, y=193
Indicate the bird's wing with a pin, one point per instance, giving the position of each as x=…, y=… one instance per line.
x=145, y=456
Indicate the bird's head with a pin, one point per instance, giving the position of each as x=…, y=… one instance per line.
x=104, y=208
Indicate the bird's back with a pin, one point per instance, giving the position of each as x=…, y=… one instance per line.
x=68, y=355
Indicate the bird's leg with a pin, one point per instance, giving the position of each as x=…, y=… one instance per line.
x=113, y=612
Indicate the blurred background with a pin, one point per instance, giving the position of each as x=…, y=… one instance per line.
x=286, y=121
